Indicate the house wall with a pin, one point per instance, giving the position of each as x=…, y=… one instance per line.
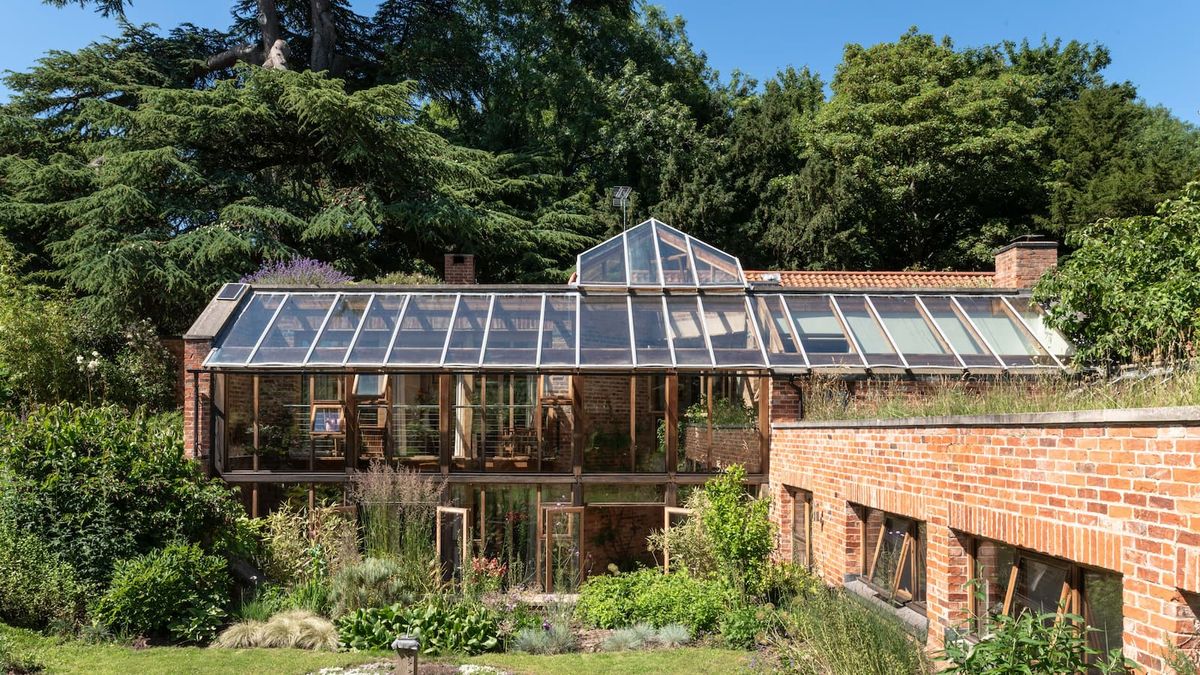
x=1113, y=490
x=196, y=432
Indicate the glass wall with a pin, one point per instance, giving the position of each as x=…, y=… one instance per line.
x=718, y=423
x=622, y=423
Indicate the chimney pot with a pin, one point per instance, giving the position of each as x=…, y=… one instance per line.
x=1024, y=261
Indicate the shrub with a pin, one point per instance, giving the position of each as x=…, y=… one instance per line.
x=99, y=485
x=649, y=596
x=832, y=632
x=176, y=592
x=783, y=582
x=739, y=527
x=741, y=628
x=1032, y=643
x=37, y=589
x=294, y=629
x=398, y=508
x=625, y=639
x=549, y=638
x=299, y=545
x=375, y=582
x=298, y=272
x=442, y=627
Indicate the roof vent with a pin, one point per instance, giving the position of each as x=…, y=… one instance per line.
x=232, y=291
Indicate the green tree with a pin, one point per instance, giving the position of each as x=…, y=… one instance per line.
x=1130, y=290
x=925, y=156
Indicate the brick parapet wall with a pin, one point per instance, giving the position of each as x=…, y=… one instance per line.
x=1123, y=497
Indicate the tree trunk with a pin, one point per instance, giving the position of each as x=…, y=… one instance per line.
x=273, y=51
x=324, y=35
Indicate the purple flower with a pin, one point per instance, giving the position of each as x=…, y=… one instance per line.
x=546, y=625
x=298, y=272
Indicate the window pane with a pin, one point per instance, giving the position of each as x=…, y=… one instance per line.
x=604, y=264
x=1039, y=587
x=912, y=332
x=558, y=331
x=672, y=250
x=288, y=339
x=604, y=331
x=422, y=333
x=339, y=329
x=235, y=346
x=777, y=331
x=1000, y=329
x=993, y=569
x=731, y=331
x=466, y=337
x=1035, y=320
x=1103, y=609
x=513, y=337
x=650, y=332
x=960, y=334
x=377, y=329
x=715, y=268
x=876, y=348
x=643, y=261
x=821, y=332
x=687, y=332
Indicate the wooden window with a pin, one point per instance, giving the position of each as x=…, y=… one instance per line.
x=1009, y=581
x=326, y=420
x=802, y=515
x=895, y=565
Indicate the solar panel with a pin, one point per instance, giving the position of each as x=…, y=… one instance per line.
x=231, y=291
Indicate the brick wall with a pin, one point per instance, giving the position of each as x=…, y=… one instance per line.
x=1119, y=495
x=194, y=352
x=459, y=268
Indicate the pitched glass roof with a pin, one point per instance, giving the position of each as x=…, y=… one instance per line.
x=656, y=255
x=567, y=330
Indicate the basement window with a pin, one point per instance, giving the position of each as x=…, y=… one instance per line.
x=894, y=564
x=1010, y=581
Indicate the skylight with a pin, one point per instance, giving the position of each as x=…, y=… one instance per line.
x=656, y=255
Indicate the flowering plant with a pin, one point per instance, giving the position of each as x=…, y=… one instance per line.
x=298, y=272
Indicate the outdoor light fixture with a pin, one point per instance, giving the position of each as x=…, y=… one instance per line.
x=620, y=200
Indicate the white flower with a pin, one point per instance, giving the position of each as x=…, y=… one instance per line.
x=79, y=359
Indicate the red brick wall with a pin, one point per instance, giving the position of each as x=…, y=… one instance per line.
x=459, y=268
x=194, y=352
x=1021, y=264
x=1121, y=497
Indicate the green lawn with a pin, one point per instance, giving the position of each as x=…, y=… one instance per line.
x=62, y=656
x=666, y=661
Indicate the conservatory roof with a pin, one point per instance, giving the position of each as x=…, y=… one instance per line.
x=563, y=329
x=655, y=255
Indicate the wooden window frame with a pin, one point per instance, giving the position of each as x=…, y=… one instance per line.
x=908, y=557
x=341, y=418
x=669, y=511
x=805, y=497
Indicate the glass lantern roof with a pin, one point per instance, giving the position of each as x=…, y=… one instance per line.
x=656, y=255
x=772, y=330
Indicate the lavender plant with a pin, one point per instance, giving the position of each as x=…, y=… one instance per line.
x=298, y=272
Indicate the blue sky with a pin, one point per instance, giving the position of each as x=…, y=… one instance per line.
x=1154, y=45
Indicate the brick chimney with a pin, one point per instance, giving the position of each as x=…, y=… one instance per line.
x=460, y=268
x=1021, y=263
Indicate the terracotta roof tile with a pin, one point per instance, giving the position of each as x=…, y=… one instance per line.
x=876, y=280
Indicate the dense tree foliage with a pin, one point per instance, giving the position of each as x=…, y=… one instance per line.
x=1130, y=290
x=142, y=171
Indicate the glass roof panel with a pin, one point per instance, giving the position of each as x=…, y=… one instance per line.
x=559, y=336
x=466, y=337
x=687, y=332
x=962, y=337
x=822, y=335
x=673, y=255
x=1003, y=332
x=876, y=347
x=378, y=326
x=916, y=338
x=643, y=257
x=340, y=329
x=778, y=336
x=714, y=267
x=1035, y=319
x=650, y=332
x=604, y=264
x=235, y=346
x=513, y=336
x=731, y=331
x=604, y=331
x=422, y=332
x=294, y=329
